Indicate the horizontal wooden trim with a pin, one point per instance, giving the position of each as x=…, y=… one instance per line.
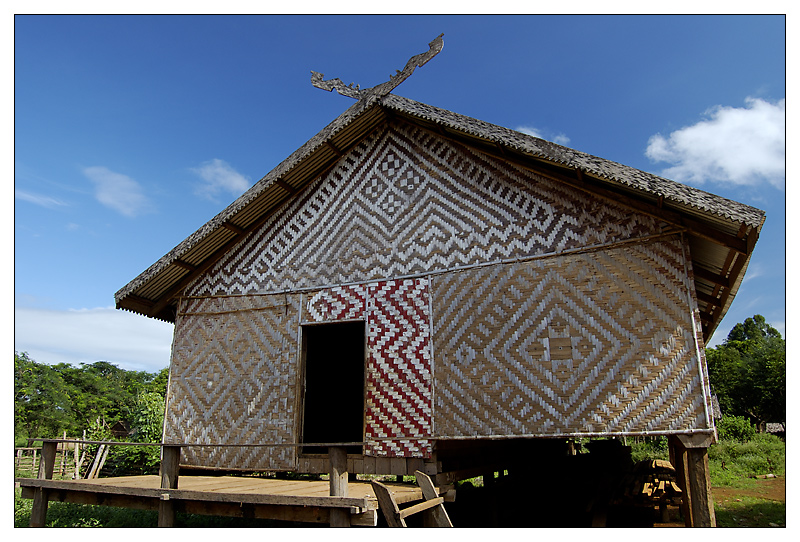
x=211, y=496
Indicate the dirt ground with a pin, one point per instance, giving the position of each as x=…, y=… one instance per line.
x=769, y=488
x=773, y=489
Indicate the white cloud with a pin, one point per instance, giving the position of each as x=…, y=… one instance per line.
x=561, y=139
x=218, y=176
x=126, y=339
x=44, y=201
x=118, y=191
x=741, y=146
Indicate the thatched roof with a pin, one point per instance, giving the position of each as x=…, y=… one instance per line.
x=722, y=232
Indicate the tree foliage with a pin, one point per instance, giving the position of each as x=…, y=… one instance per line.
x=748, y=372
x=51, y=399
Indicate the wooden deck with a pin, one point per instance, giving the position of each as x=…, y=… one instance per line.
x=267, y=498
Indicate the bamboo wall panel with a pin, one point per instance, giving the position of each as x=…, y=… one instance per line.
x=399, y=395
x=233, y=380
x=404, y=201
x=600, y=342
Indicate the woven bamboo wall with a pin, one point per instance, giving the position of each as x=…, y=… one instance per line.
x=233, y=380
x=404, y=201
x=601, y=342
x=594, y=342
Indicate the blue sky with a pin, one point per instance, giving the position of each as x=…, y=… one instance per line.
x=130, y=132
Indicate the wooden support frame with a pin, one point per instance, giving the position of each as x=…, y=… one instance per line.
x=689, y=456
x=339, y=517
x=41, y=494
x=170, y=467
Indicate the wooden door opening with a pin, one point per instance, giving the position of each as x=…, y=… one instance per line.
x=334, y=367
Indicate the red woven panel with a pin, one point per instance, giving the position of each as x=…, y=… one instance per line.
x=399, y=379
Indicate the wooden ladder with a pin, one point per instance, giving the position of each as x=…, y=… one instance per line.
x=433, y=502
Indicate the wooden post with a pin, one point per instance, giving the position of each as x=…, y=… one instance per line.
x=677, y=456
x=170, y=466
x=19, y=458
x=63, y=455
x=690, y=454
x=77, y=474
x=40, y=495
x=339, y=517
x=700, y=483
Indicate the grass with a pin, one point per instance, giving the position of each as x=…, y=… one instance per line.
x=751, y=512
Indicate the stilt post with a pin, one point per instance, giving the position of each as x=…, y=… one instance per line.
x=690, y=454
x=170, y=465
x=40, y=495
x=339, y=517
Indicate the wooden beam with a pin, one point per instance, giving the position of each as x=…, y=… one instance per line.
x=337, y=455
x=713, y=278
x=232, y=227
x=709, y=299
x=335, y=150
x=425, y=505
x=184, y=265
x=286, y=186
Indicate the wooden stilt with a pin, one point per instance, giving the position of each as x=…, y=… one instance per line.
x=170, y=466
x=40, y=497
x=677, y=456
x=337, y=455
x=689, y=455
x=700, y=483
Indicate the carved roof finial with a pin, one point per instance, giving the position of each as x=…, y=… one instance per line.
x=354, y=91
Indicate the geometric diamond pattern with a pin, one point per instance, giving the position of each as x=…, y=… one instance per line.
x=590, y=343
x=233, y=380
x=404, y=201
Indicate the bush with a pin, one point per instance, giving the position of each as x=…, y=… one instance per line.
x=735, y=428
x=650, y=448
x=731, y=461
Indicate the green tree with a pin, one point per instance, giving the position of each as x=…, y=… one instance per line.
x=748, y=372
x=42, y=402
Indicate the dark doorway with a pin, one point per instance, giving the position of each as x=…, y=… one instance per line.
x=333, y=408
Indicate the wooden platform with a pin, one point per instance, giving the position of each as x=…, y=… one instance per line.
x=266, y=498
